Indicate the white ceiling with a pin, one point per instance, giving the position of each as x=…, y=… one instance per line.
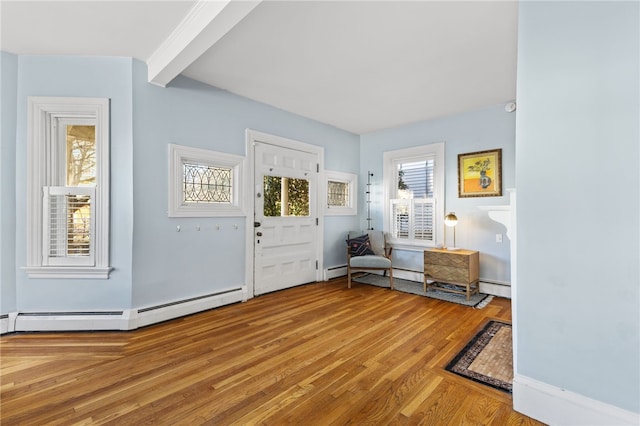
x=358, y=65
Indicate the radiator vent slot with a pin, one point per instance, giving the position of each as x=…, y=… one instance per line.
x=52, y=314
x=192, y=299
x=333, y=268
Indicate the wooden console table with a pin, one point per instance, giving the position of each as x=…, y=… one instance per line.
x=458, y=267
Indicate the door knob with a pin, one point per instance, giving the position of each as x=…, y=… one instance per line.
x=259, y=234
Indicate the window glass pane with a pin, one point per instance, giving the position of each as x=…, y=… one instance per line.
x=69, y=225
x=423, y=220
x=285, y=196
x=415, y=179
x=81, y=155
x=401, y=221
x=207, y=184
x=337, y=194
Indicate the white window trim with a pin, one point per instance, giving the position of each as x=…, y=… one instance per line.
x=352, y=180
x=390, y=158
x=41, y=112
x=178, y=155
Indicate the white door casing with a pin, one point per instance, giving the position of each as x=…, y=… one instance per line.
x=285, y=250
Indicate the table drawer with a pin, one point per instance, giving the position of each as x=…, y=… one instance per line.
x=447, y=259
x=447, y=273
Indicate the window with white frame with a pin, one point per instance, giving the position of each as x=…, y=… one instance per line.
x=68, y=188
x=414, y=192
x=341, y=193
x=204, y=183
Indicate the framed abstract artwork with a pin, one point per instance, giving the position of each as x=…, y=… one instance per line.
x=480, y=174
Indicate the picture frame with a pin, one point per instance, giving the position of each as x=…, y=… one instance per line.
x=480, y=174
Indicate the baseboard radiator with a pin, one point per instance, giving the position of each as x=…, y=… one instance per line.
x=129, y=319
x=335, y=272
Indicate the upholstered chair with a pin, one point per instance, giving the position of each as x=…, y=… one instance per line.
x=368, y=251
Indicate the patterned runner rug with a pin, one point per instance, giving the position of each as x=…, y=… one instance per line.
x=478, y=300
x=488, y=357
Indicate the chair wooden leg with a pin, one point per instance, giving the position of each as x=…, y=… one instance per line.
x=391, y=278
x=348, y=277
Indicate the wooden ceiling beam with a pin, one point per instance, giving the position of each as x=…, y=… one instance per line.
x=205, y=24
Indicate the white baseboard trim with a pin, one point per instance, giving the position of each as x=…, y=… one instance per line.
x=7, y=323
x=129, y=319
x=556, y=406
x=70, y=321
x=335, y=272
x=499, y=290
x=152, y=315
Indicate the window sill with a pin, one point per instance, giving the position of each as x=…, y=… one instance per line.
x=53, y=272
x=406, y=246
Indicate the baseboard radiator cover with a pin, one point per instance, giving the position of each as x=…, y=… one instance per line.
x=69, y=321
x=167, y=311
x=496, y=288
x=129, y=319
x=555, y=406
x=335, y=272
x=7, y=322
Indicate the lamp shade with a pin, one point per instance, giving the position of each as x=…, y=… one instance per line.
x=451, y=219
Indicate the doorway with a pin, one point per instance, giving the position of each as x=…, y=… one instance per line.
x=286, y=228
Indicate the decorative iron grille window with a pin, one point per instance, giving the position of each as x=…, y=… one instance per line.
x=337, y=194
x=204, y=183
x=341, y=193
x=207, y=184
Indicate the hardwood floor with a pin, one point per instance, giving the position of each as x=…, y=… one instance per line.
x=317, y=354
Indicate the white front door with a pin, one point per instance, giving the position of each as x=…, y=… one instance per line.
x=286, y=218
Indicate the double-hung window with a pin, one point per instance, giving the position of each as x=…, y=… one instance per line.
x=68, y=188
x=414, y=192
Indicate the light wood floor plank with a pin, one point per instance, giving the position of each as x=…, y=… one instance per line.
x=318, y=354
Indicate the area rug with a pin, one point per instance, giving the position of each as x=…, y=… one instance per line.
x=478, y=300
x=488, y=357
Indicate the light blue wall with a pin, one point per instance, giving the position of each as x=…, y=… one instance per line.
x=170, y=265
x=578, y=301
x=480, y=130
x=82, y=77
x=8, y=111
x=153, y=263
